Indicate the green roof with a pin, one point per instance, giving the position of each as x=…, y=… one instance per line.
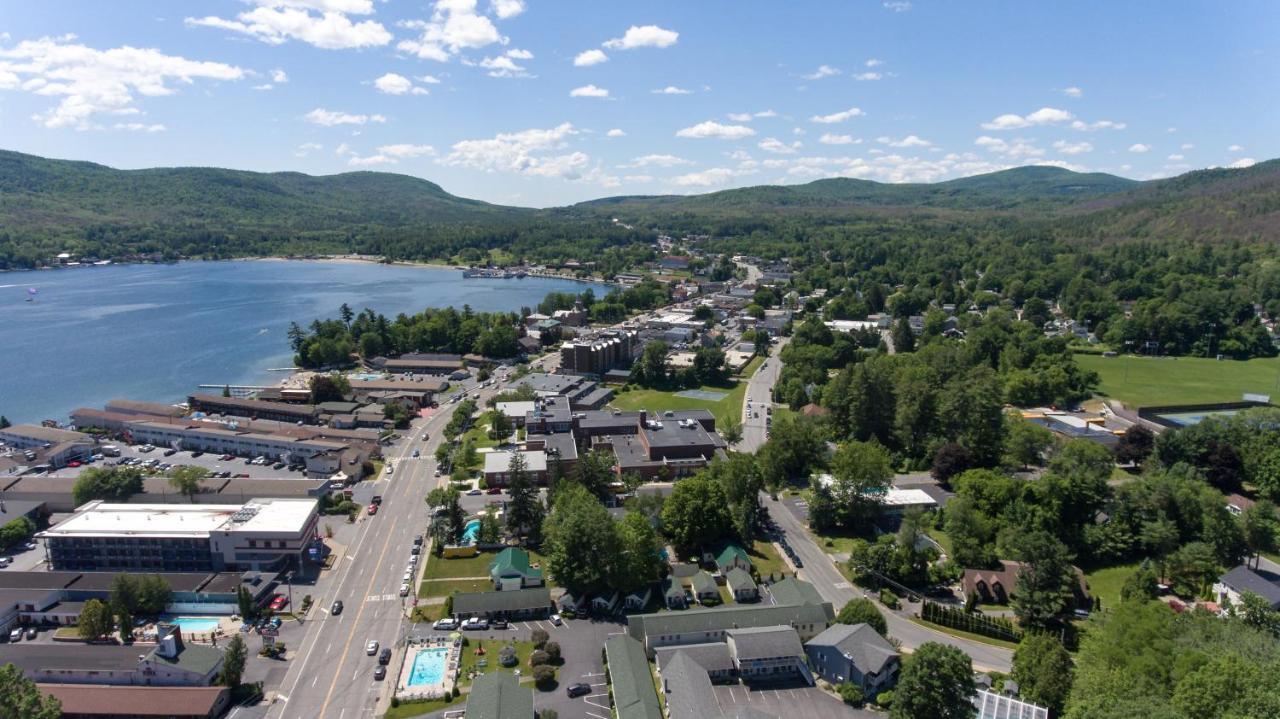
x=498, y=695
x=513, y=559
x=729, y=553
x=634, y=696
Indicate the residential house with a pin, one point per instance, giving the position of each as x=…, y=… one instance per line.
x=742, y=586
x=704, y=588
x=639, y=600
x=1263, y=581
x=95, y=701
x=998, y=586
x=732, y=555
x=854, y=653
x=511, y=570
x=607, y=603
x=674, y=594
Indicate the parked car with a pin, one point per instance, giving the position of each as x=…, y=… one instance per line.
x=31, y=633
x=15, y=635
x=498, y=624
x=197, y=453
x=278, y=465
x=418, y=540
x=475, y=624
x=385, y=656
x=379, y=673
x=336, y=609
x=377, y=499
x=404, y=589
x=371, y=647
x=475, y=492
x=279, y=602
x=577, y=690
x=373, y=509
x=556, y=620
x=495, y=490
x=446, y=624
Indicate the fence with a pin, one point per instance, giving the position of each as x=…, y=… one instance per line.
x=994, y=627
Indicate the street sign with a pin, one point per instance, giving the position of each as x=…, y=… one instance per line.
x=269, y=632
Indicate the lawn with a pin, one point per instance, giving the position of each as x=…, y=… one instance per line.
x=1146, y=381
x=750, y=367
x=766, y=559
x=445, y=587
x=1105, y=583
x=445, y=568
x=660, y=401
x=418, y=708
x=491, y=647
x=427, y=613
x=964, y=635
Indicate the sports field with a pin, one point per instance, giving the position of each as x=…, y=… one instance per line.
x=1146, y=381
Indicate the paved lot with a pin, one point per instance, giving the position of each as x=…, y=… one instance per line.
x=211, y=462
x=800, y=702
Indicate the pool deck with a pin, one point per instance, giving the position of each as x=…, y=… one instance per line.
x=429, y=691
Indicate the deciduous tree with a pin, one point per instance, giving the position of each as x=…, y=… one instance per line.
x=936, y=683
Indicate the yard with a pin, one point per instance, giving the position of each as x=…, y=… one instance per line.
x=445, y=587
x=462, y=574
x=660, y=401
x=1146, y=381
x=1105, y=582
x=471, y=660
x=413, y=709
x=766, y=559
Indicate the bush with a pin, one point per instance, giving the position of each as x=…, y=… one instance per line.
x=543, y=675
x=548, y=714
x=539, y=658
x=884, y=699
x=395, y=702
x=851, y=694
x=539, y=638
x=553, y=651
x=889, y=599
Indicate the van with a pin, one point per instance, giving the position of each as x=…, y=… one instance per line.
x=109, y=450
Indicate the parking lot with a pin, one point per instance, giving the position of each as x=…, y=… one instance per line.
x=793, y=702
x=212, y=462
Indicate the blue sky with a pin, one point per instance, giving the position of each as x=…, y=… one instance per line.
x=543, y=103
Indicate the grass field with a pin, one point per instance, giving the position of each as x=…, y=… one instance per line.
x=1146, y=381
x=445, y=587
x=470, y=660
x=964, y=635
x=766, y=559
x=1105, y=583
x=659, y=401
x=413, y=709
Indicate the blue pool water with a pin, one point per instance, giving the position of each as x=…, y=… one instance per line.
x=428, y=667
x=471, y=531
x=200, y=625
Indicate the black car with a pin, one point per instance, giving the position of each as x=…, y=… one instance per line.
x=336, y=609
x=197, y=454
x=385, y=656
x=379, y=673
x=418, y=540
x=377, y=499
x=170, y=452
x=577, y=690
x=498, y=624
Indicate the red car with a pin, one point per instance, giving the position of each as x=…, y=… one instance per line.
x=279, y=602
x=373, y=509
x=495, y=490
x=73, y=463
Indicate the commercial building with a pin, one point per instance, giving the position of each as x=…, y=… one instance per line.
x=497, y=466
x=260, y=535
x=38, y=445
x=581, y=393
x=854, y=653
x=170, y=663
x=435, y=364
x=498, y=695
x=628, y=669
x=699, y=626
x=253, y=408
x=89, y=701
x=609, y=349
x=767, y=654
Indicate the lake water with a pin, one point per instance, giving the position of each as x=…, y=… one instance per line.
x=155, y=332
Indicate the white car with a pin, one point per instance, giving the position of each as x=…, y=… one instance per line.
x=476, y=623
x=408, y=576
x=556, y=620
x=475, y=492
x=446, y=624
x=404, y=590
x=371, y=647
x=390, y=469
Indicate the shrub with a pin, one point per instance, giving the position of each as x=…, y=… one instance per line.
x=539, y=638
x=548, y=714
x=889, y=599
x=543, y=675
x=850, y=693
x=395, y=702
x=539, y=658
x=884, y=699
x=553, y=651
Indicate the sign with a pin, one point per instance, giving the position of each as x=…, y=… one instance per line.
x=268, y=641
x=1263, y=398
x=269, y=632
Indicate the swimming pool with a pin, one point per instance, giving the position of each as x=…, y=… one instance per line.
x=202, y=625
x=428, y=666
x=471, y=531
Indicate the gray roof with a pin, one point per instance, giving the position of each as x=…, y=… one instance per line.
x=713, y=656
x=794, y=591
x=765, y=643
x=498, y=695
x=672, y=588
x=512, y=600
x=633, y=694
x=702, y=582
x=688, y=689
x=78, y=656
x=195, y=658
x=1262, y=582
x=862, y=644
x=739, y=580
x=725, y=617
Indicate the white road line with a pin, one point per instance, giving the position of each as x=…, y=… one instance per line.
x=313, y=681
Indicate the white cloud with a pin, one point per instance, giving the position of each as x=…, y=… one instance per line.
x=322, y=23
x=1010, y=149
x=821, y=72
x=837, y=116
x=264, y=87
x=776, y=146
x=518, y=54
x=1176, y=157
x=1235, y=148
x=454, y=26
x=897, y=5
x=748, y=116
x=279, y=76
x=874, y=62
x=1243, y=163
x=1072, y=148
x=706, y=178
x=528, y=152
x=587, y=58
x=658, y=161
x=1043, y=116
x=643, y=36
x=638, y=178
x=1072, y=91
x=139, y=127
x=504, y=66
x=908, y=141
x=830, y=138
x=92, y=82
x=328, y=118
x=307, y=148
x=370, y=160
x=588, y=91
x=1099, y=125
x=867, y=76
x=713, y=129
x=1139, y=147
x=507, y=8
x=407, y=150
x=671, y=90
x=1187, y=146
x=393, y=84
x=615, y=132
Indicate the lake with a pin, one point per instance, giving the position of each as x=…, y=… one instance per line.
x=155, y=332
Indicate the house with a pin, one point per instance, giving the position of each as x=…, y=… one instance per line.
x=639, y=599
x=1263, y=581
x=674, y=595
x=854, y=653
x=572, y=601
x=998, y=586
x=704, y=588
x=688, y=690
x=606, y=603
x=742, y=586
x=498, y=695
x=510, y=604
x=169, y=663
x=511, y=570
x=767, y=654
x=714, y=657
x=634, y=696
x=733, y=555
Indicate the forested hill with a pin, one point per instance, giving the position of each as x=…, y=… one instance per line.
x=1019, y=187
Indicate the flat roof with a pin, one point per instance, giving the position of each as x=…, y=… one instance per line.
x=500, y=461
x=98, y=519
x=134, y=701
x=52, y=435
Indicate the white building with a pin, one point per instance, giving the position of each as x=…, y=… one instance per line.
x=262, y=534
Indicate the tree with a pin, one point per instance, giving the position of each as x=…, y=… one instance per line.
x=233, y=661
x=1135, y=445
x=244, y=602
x=490, y=526
x=449, y=527
x=499, y=425
x=949, y=460
x=20, y=697
x=731, y=430
x=4, y=422
x=904, y=340
x=94, y=620
x=696, y=513
x=936, y=683
x=639, y=553
x=651, y=369
x=860, y=476
x=1025, y=441
x=580, y=541
x=543, y=675
x=594, y=472
x=851, y=694
x=110, y=483
x=1192, y=569
x=1042, y=668
x=153, y=594
x=1045, y=579
x=524, y=512
x=1261, y=529
x=1142, y=585
x=863, y=611
x=185, y=480
x=124, y=593
x=15, y=532
x=330, y=387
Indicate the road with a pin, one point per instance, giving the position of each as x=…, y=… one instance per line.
x=760, y=395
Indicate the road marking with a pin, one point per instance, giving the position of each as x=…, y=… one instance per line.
x=594, y=716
